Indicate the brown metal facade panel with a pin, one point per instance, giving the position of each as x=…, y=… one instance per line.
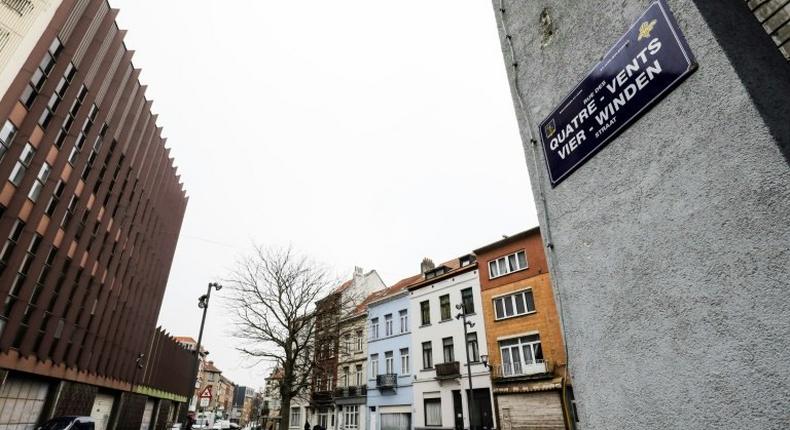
x=82, y=283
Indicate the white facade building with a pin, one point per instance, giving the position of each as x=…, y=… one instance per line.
x=22, y=22
x=439, y=346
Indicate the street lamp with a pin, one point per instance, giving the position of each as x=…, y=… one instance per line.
x=202, y=304
x=471, y=394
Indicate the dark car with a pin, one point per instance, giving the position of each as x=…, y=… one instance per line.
x=68, y=423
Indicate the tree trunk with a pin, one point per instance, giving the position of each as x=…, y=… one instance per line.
x=285, y=412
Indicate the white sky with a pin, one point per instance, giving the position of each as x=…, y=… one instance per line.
x=360, y=132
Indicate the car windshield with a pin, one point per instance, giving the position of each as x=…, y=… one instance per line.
x=57, y=423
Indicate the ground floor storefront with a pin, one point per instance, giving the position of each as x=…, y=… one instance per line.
x=28, y=400
x=533, y=405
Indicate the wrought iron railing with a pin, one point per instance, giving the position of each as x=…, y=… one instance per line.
x=387, y=380
x=448, y=370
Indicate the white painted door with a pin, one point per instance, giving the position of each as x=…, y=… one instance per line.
x=102, y=408
x=21, y=403
x=148, y=413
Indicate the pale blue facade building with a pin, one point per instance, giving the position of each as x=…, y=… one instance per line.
x=390, y=362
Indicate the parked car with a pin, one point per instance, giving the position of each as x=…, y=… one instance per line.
x=68, y=423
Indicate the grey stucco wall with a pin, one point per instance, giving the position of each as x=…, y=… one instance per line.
x=671, y=249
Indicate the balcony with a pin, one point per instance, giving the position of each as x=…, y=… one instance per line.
x=351, y=391
x=449, y=370
x=517, y=370
x=387, y=381
x=321, y=397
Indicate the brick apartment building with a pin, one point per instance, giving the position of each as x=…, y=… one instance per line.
x=525, y=342
x=90, y=211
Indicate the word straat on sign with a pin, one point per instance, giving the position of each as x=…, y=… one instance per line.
x=648, y=61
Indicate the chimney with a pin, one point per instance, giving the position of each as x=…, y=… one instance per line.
x=426, y=265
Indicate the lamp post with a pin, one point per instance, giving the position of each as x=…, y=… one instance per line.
x=471, y=394
x=203, y=304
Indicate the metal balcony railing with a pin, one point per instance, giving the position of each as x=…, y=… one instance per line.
x=448, y=370
x=351, y=391
x=387, y=380
x=512, y=370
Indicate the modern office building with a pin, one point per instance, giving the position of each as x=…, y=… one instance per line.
x=90, y=211
x=441, y=343
x=389, y=405
x=531, y=385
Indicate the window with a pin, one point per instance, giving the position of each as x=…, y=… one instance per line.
x=404, y=321
x=374, y=365
x=404, y=361
x=360, y=340
x=21, y=166
x=433, y=412
x=389, y=363
x=359, y=375
x=7, y=134
x=472, y=347
x=444, y=307
x=507, y=264
x=41, y=73
x=388, y=325
x=427, y=355
x=351, y=416
x=516, y=304
x=467, y=301
x=347, y=343
x=522, y=356
x=425, y=312
x=345, y=375
x=53, y=201
x=41, y=179
x=296, y=417
x=447, y=347
x=8, y=247
x=69, y=214
x=374, y=328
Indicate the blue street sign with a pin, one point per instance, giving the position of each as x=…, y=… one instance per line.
x=643, y=66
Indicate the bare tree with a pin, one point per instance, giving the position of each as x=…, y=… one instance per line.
x=273, y=298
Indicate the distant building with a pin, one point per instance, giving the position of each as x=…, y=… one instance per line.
x=190, y=344
x=329, y=311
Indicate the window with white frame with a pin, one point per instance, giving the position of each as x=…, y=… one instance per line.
x=351, y=416
x=521, y=356
x=374, y=365
x=404, y=361
x=473, y=347
x=388, y=325
x=360, y=340
x=296, y=417
x=433, y=412
x=404, y=321
x=389, y=363
x=507, y=264
x=374, y=328
x=359, y=375
x=516, y=304
x=344, y=381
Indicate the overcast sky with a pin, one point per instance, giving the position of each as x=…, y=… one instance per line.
x=362, y=133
